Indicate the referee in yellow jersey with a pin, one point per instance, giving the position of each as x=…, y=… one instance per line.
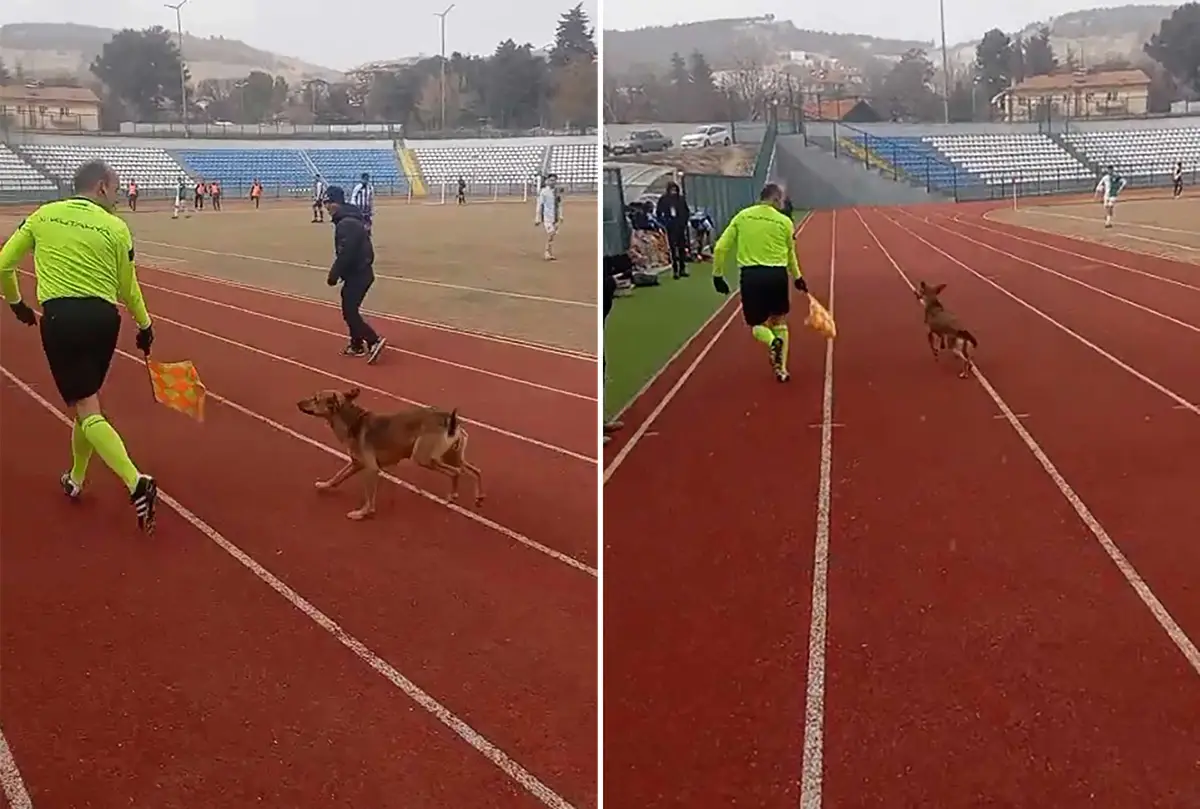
x=761, y=239
x=83, y=258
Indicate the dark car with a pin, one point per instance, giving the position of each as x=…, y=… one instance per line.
x=642, y=140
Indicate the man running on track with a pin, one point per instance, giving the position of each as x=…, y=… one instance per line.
x=1110, y=185
x=83, y=260
x=761, y=238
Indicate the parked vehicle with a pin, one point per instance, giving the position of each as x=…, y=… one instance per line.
x=707, y=135
x=642, y=140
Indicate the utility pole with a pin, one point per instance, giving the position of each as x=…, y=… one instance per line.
x=945, y=65
x=177, y=8
x=441, y=15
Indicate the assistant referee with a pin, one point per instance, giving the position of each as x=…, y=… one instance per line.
x=83, y=258
x=761, y=239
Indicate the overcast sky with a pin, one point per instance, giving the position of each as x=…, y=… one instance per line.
x=901, y=19
x=328, y=33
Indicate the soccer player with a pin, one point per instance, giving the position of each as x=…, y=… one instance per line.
x=318, y=199
x=760, y=237
x=180, y=195
x=353, y=265
x=1110, y=185
x=83, y=260
x=363, y=198
x=132, y=195
x=548, y=213
x=462, y=191
x=256, y=193
x=198, y=199
x=1177, y=180
x=214, y=191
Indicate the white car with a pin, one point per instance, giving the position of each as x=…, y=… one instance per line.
x=708, y=135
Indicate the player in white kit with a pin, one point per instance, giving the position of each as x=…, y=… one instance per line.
x=180, y=194
x=549, y=213
x=1110, y=186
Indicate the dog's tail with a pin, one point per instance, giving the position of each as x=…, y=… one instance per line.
x=452, y=425
x=970, y=338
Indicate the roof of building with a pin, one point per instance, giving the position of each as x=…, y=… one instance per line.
x=1102, y=80
x=77, y=95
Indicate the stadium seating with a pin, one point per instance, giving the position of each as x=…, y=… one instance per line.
x=345, y=166
x=1140, y=152
x=152, y=169
x=277, y=168
x=17, y=175
x=574, y=163
x=479, y=165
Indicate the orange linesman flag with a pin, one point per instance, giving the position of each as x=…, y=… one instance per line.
x=177, y=385
x=820, y=320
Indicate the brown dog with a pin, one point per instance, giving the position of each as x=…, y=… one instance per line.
x=944, y=331
x=429, y=437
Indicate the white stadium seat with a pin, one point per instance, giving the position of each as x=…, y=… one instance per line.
x=1141, y=152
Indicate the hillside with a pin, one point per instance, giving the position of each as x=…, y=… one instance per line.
x=724, y=42
x=47, y=49
x=1096, y=34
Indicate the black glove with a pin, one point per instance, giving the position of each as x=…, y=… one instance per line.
x=145, y=339
x=800, y=284
x=719, y=285
x=332, y=280
x=23, y=313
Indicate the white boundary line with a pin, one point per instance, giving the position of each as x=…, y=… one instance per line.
x=378, y=277
x=716, y=314
x=1159, y=228
x=1093, y=259
x=813, y=767
x=458, y=331
x=10, y=778
x=1132, y=577
x=396, y=349
x=1065, y=277
x=1165, y=391
x=491, y=752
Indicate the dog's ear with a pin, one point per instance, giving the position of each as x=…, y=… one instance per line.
x=937, y=290
x=352, y=394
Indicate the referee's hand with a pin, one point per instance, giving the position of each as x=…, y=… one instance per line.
x=800, y=284
x=145, y=339
x=719, y=284
x=23, y=313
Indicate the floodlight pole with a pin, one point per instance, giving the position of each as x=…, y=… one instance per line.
x=441, y=15
x=945, y=64
x=177, y=8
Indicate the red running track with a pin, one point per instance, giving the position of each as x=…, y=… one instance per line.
x=162, y=672
x=983, y=648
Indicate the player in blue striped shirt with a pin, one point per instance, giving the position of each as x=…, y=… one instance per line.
x=363, y=198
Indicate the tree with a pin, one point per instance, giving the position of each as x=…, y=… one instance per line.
x=1176, y=46
x=962, y=102
x=574, y=38
x=1018, y=60
x=574, y=102
x=908, y=89
x=1039, y=55
x=993, y=63
x=256, y=97
x=516, y=86
x=703, y=99
x=142, y=68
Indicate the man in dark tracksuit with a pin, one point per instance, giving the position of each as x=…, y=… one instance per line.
x=673, y=213
x=353, y=265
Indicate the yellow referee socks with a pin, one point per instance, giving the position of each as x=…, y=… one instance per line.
x=81, y=453
x=781, y=331
x=763, y=334
x=111, y=449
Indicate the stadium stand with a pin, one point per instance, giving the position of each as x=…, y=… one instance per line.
x=480, y=164
x=345, y=166
x=1140, y=153
x=574, y=163
x=17, y=175
x=153, y=169
x=235, y=168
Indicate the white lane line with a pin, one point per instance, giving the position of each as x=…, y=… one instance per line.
x=1065, y=277
x=813, y=766
x=474, y=738
x=1159, y=228
x=1165, y=391
x=10, y=778
x=395, y=349
x=1134, y=579
x=396, y=278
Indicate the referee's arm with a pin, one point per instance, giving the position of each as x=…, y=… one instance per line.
x=722, y=248
x=128, y=288
x=793, y=260
x=15, y=249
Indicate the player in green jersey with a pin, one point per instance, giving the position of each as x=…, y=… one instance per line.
x=83, y=260
x=761, y=239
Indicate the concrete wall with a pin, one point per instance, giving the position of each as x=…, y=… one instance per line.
x=816, y=179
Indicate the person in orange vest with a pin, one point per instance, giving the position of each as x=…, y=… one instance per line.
x=256, y=193
x=214, y=191
x=132, y=195
x=198, y=199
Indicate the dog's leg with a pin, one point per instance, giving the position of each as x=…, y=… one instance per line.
x=457, y=457
x=343, y=474
x=370, y=488
x=934, y=341
x=477, y=475
x=960, y=350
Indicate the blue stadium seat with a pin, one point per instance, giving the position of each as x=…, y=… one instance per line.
x=344, y=167
x=282, y=169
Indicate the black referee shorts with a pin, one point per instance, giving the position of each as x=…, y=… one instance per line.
x=765, y=293
x=79, y=337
